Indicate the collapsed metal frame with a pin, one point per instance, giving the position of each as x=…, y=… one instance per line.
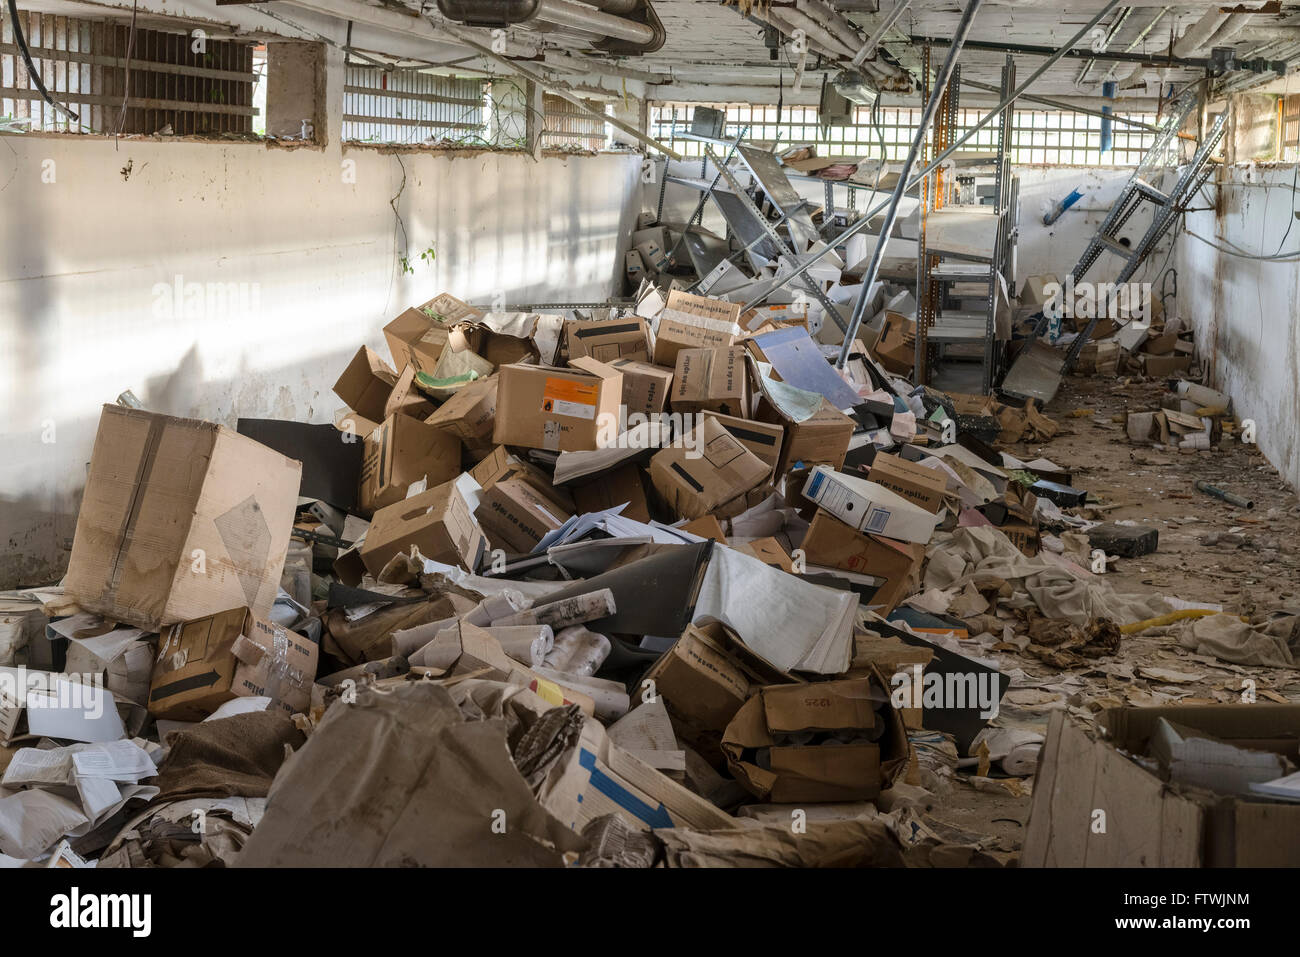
x=862, y=223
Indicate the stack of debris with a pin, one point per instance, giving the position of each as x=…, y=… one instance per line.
x=627, y=589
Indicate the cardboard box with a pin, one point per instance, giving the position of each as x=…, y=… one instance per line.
x=762, y=438
x=646, y=387
x=415, y=338
x=438, y=521
x=673, y=336
x=623, y=485
x=596, y=777
x=401, y=451
x=634, y=266
x=868, y=507
x=704, y=678
x=857, y=770
x=1151, y=822
x=832, y=544
x=1157, y=367
x=515, y=517
x=180, y=519
x=545, y=407
x=821, y=439
x=916, y=483
x=513, y=467
x=653, y=255
x=713, y=380
x=609, y=340
x=205, y=662
x=895, y=346
x=470, y=414
x=694, y=322
x=692, y=487
x=366, y=384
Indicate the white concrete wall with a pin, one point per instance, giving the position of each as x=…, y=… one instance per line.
x=87, y=260
x=1245, y=312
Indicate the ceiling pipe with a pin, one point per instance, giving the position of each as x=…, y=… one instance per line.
x=579, y=16
x=789, y=19
x=869, y=48
x=1193, y=39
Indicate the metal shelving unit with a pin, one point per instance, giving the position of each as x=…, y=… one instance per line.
x=939, y=268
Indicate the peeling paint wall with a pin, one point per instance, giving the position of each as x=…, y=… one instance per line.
x=220, y=280
x=1245, y=312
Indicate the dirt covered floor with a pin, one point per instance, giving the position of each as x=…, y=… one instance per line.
x=1209, y=551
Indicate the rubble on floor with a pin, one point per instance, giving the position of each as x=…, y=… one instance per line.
x=660, y=588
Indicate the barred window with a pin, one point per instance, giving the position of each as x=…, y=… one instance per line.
x=408, y=106
x=113, y=79
x=565, y=125
x=1037, y=136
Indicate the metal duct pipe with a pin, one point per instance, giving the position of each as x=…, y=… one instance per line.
x=578, y=16
x=1193, y=39
x=618, y=7
x=788, y=19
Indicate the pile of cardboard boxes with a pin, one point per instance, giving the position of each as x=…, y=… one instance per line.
x=670, y=554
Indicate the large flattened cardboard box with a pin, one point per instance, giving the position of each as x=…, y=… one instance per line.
x=1151, y=822
x=180, y=519
x=438, y=521
x=401, y=451
x=560, y=410
x=714, y=469
x=832, y=544
x=868, y=507
x=203, y=663
x=856, y=769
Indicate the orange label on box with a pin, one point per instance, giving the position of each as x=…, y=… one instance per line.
x=567, y=397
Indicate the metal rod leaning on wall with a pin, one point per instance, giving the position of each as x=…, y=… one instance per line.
x=927, y=116
x=557, y=88
x=935, y=163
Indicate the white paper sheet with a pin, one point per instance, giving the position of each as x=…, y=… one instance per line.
x=791, y=623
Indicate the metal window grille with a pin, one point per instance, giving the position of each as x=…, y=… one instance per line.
x=1289, y=108
x=84, y=65
x=565, y=126
x=1037, y=136
x=407, y=106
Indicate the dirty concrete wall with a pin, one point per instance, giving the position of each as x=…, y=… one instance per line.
x=221, y=280
x=1245, y=311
